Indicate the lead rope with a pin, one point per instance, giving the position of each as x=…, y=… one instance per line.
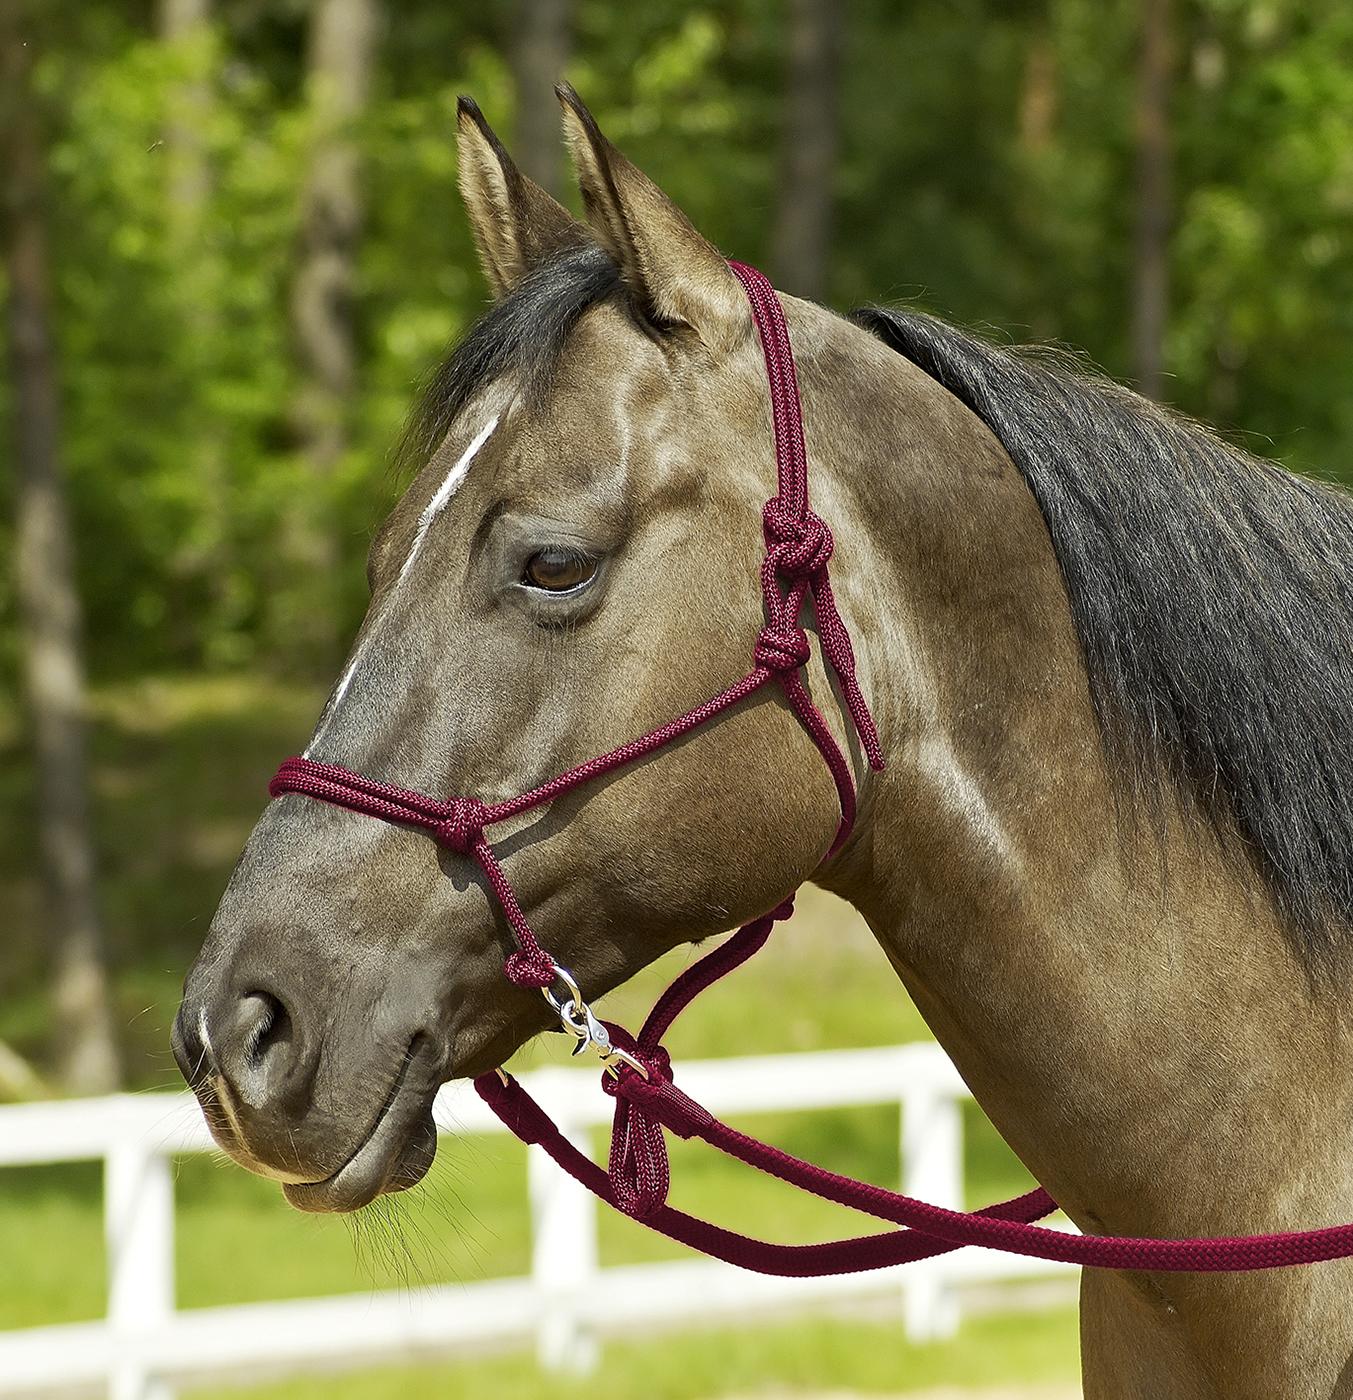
x=638, y=1073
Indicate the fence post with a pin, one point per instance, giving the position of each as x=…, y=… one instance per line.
x=932, y=1169
x=563, y=1258
x=138, y=1216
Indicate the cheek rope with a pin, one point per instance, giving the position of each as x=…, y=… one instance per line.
x=638, y=1071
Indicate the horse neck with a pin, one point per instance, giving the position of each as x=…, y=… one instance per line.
x=1119, y=995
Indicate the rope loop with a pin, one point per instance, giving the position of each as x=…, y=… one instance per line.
x=782, y=648
x=462, y=828
x=639, y=1171
x=801, y=544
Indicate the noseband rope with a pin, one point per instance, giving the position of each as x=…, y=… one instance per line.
x=638, y=1072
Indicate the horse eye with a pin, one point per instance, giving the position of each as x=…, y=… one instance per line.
x=558, y=570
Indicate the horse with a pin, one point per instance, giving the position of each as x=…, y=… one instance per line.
x=1109, y=657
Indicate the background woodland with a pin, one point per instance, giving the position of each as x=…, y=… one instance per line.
x=232, y=246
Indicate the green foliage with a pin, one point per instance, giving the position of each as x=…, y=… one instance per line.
x=986, y=167
x=1264, y=251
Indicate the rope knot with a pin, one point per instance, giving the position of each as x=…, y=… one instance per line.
x=636, y=1089
x=530, y=967
x=782, y=648
x=800, y=544
x=462, y=828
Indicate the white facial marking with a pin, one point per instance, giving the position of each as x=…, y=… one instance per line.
x=444, y=492
x=203, y=1035
x=450, y=485
x=347, y=676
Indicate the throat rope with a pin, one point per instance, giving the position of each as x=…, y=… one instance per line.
x=794, y=572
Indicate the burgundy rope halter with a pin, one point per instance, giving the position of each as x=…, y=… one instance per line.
x=638, y=1073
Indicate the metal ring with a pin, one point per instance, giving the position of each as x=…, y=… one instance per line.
x=562, y=974
x=576, y=1019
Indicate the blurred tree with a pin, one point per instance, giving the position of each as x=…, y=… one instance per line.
x=1038, y=93
x=1151, y=244
x=181, y=23
x=1262, y=329
x=1034, y=162
x=18, y=1079
x=802, y=238
x=341, y=53
x=538, y=50
x=49, y=607
x=185, y=26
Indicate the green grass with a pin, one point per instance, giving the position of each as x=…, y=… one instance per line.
x=178, y=779
x=52, y=1232
x=806, y=1356
x=179, y=768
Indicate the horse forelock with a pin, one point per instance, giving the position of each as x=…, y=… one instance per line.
x=523, y=333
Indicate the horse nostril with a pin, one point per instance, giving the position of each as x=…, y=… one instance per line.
x=267, y=1027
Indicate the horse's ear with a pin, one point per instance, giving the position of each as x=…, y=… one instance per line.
x=676, y=276
x=516, y=225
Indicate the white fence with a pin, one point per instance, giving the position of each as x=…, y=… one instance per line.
x=567, y=1303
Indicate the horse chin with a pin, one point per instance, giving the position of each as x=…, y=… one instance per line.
x=381, y=1165
x=394, y=1156
x=400, y=1146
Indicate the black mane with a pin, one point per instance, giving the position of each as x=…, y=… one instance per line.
x=1213, y=596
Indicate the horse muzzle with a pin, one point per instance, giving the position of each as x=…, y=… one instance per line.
x=339, y=1112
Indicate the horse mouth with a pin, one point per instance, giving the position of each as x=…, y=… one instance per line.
x=394, y=1155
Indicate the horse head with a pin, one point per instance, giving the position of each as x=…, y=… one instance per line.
x=576, y=561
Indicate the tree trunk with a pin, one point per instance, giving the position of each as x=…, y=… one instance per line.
x=18, y=1079
x=189, y=182
x=205, y=555
x=341, y=50
x=808, y=164
x=49, y=607
x=538, y=54
x=1035, y=242
x=1150, y=301
x=1038, y=95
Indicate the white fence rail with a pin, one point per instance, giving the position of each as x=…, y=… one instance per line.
x=145, y=1346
